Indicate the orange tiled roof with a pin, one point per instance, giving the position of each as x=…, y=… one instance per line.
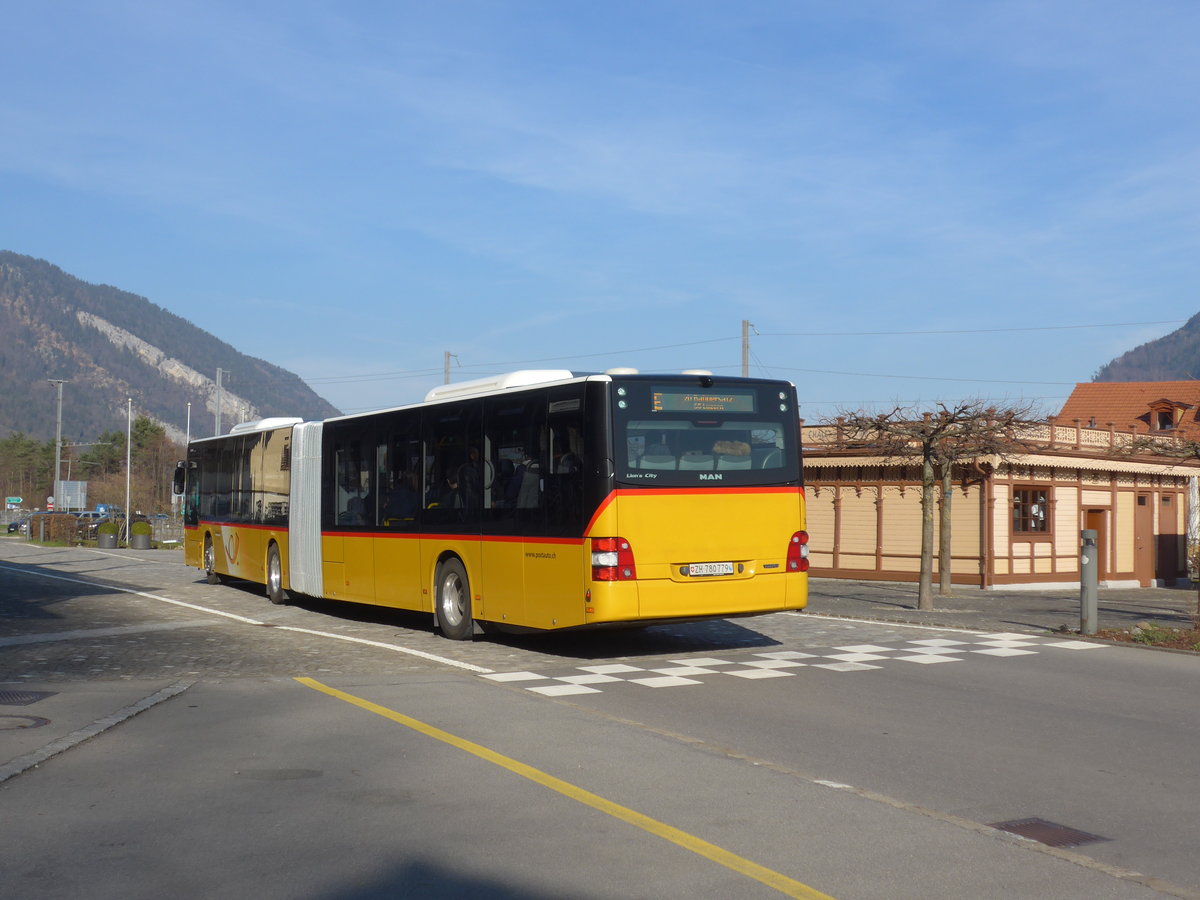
x=1127, y=403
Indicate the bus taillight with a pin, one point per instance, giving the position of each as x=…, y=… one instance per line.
x=612, y=560
x=797, y=554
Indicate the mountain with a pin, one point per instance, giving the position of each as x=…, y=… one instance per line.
x=111, y=345
x=1173, y=357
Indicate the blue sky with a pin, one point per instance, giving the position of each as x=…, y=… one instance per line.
x=352, y=189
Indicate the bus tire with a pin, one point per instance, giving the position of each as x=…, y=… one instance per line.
x=454, y=600
x=275, y=592
x=210, y=561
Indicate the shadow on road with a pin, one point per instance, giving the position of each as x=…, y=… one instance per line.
x=607, y=642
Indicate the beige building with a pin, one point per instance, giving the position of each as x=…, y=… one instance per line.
x=1015, y=521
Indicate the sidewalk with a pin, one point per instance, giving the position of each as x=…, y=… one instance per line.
x=999, y=610
x=37, y=722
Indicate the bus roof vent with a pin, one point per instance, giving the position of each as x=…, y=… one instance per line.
x=695, y=372
x=264, y=424
x=523, y=378
x=621, y=370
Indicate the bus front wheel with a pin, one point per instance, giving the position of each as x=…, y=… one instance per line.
x=454, y=601
x=275, y=592
x=210, y=561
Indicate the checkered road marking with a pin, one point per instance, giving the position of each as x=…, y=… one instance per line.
x=785, y=663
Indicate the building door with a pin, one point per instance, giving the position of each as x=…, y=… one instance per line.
x=1143, y=540
x=1097, y=520
x=1170, y=541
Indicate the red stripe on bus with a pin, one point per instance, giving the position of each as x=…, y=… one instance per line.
x=696, y=491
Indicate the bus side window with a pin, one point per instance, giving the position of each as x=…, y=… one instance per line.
x=399, y=472
x=353, y=467
x=563, y=499
x=453, y=468
x=275, y=480
x=250, y=505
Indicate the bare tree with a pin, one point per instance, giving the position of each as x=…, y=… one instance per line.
x=975, y=432
x=951, y=435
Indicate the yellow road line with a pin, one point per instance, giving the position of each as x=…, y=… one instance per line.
x=788, y=886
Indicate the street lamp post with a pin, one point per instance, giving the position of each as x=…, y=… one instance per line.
x=58, y=442
x=128, y=461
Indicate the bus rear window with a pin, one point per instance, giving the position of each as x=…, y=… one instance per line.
x=679, y=435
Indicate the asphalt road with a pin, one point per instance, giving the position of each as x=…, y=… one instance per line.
x=163, y=737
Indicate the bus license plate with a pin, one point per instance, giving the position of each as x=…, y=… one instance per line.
x=721, y=568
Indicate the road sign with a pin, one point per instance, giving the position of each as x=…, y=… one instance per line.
x=13, y=500
x=74, y=495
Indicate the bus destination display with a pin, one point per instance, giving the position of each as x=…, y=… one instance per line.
x=689, y=400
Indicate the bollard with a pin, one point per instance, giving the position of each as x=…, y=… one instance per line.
x=1089, y=582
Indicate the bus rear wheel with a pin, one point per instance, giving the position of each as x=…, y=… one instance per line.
x=275, y=592
x=210, y=561
x=454, y=601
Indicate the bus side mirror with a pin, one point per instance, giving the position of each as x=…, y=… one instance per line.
x=177, y=482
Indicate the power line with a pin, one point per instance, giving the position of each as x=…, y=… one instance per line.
x=376, y=376
x=928, y=377
x=762, y=365
x=491, y=368
x=964, y=330
x=806, y=401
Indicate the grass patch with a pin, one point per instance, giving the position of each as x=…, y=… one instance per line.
x=1154, y=635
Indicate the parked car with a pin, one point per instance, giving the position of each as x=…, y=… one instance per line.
x=88, y=527
x=88, y=520
x=19, y=526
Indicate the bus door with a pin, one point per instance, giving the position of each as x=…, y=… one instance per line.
x=396, y=516
x=549, y=510
x=507, y=466
x=349, y=484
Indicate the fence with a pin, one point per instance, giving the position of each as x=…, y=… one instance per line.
x=63, y=528
x=1107, y=441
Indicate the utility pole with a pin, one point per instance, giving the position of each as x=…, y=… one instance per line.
x=220, y=399
x=128, y=461
x=446, y=364
x=58, y=443
x=746, y=326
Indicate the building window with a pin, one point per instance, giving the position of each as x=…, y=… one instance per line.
x=1031, y=511
x=1165, y=420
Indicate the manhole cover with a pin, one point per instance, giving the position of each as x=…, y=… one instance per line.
x=23, y=698
x=14, y=723
x=1048, y=833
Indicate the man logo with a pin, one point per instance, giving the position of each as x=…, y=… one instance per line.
x=715, y=476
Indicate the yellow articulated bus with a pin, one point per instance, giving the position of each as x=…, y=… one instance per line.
x=534, y=500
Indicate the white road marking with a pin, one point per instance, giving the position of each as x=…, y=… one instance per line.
x=245, y=620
